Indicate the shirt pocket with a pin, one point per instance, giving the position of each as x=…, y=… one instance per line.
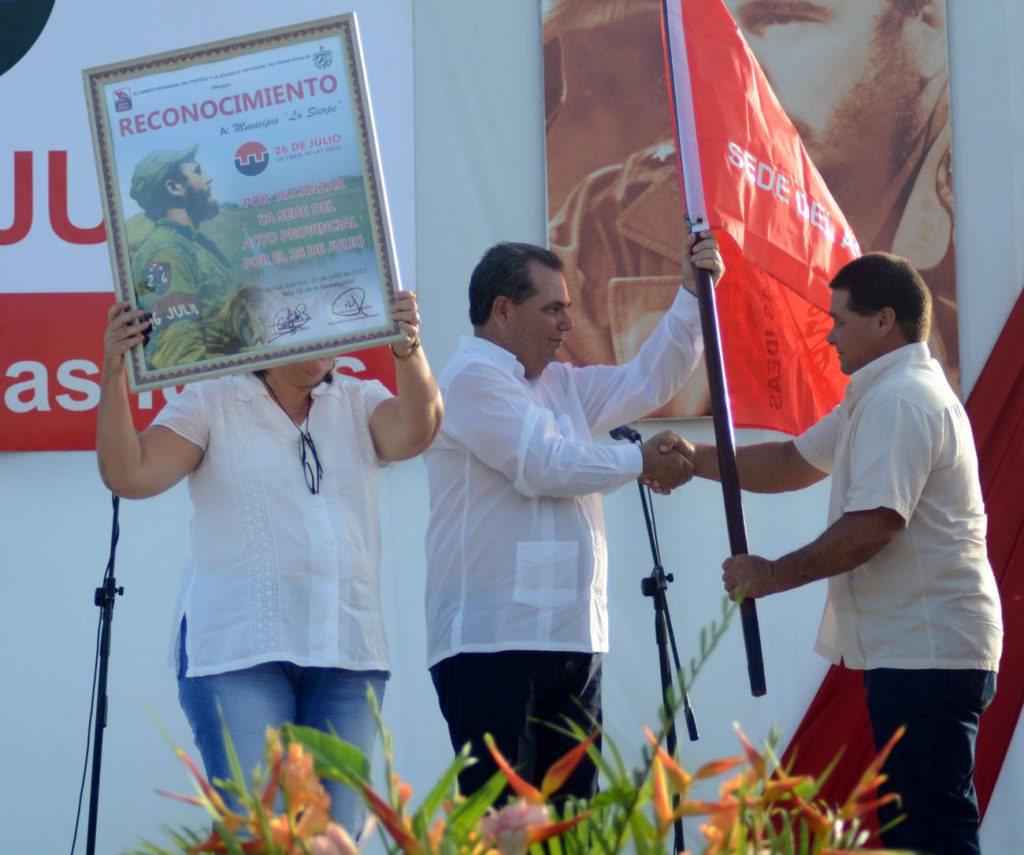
x=546, y=572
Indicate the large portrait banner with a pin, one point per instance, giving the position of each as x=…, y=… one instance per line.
x=865, y=84
x=244, y=201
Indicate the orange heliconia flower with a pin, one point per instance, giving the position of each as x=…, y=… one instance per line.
x=555, y=777
x=819, y=824
x=681, y=779
x=521, y=787
x=714, y=768
x=564, y=766
x=862, y=799
x=307, y=804
x=398, y=826
x=755, y=757
x=660, y=798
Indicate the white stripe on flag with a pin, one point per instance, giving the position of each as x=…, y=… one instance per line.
x=686, y=126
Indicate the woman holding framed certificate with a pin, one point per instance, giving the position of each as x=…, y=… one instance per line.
x=279, y=615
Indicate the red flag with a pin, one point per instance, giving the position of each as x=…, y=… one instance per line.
x=783, y=237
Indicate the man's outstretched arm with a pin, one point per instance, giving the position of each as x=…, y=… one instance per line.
x=768, y=467
x=856, y=537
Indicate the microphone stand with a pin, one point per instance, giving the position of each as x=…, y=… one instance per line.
x=104, y=598
x=655, y=586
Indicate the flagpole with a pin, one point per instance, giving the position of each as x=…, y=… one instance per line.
x=689, y=162
x=725, y=443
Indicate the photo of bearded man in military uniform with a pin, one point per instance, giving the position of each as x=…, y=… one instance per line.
x=180, y=275
x=865, y=83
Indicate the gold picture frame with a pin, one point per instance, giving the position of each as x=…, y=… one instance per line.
x=244, y=201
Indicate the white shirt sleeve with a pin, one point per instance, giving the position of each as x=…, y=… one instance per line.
x=185, y=414
x=613, y=395
x=500, y=423
x=373, y=394
x=817, y=444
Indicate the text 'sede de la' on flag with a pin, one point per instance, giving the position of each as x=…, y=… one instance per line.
x=747, y=175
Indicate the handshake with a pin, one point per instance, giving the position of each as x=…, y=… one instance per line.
x=668, y=462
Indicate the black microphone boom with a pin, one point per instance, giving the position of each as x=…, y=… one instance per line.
x=625, y=432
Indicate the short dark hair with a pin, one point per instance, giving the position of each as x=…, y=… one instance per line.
x=504, y=272
x=880, y=279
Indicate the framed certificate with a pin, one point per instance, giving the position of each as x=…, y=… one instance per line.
x=244, y=201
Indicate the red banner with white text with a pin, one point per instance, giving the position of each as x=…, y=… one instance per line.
x=52, y=351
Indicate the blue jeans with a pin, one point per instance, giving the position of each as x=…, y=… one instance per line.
x=932, y=766
x=268, y=695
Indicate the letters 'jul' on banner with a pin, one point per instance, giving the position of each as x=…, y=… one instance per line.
x=783, y=237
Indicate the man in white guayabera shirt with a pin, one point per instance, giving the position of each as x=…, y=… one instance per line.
x=912, y=599
x=516, y=556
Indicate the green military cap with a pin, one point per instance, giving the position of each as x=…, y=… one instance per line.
x=151, y=172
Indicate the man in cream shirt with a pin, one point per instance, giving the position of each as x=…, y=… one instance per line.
x=912, y=599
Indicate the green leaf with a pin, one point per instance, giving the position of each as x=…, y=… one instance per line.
x=643, y=833
x=335, y=758
x=440, y=791
x=602, y=843
x=612, y=796
x=467, y=814
x=237, y=776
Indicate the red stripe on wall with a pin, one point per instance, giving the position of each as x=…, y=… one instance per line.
x=51, y=351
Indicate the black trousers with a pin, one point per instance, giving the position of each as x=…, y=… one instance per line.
x=515, y=696
x=932, y=767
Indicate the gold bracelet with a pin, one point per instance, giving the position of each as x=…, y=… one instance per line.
x=414, y=345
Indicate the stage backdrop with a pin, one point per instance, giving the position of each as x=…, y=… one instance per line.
x=871, y=107
x=477, y=137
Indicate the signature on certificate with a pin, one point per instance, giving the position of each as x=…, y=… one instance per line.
x=290, y=321
x=350, y=305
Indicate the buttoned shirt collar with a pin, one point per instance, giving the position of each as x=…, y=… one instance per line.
x=864, y=378
x=495, y=353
